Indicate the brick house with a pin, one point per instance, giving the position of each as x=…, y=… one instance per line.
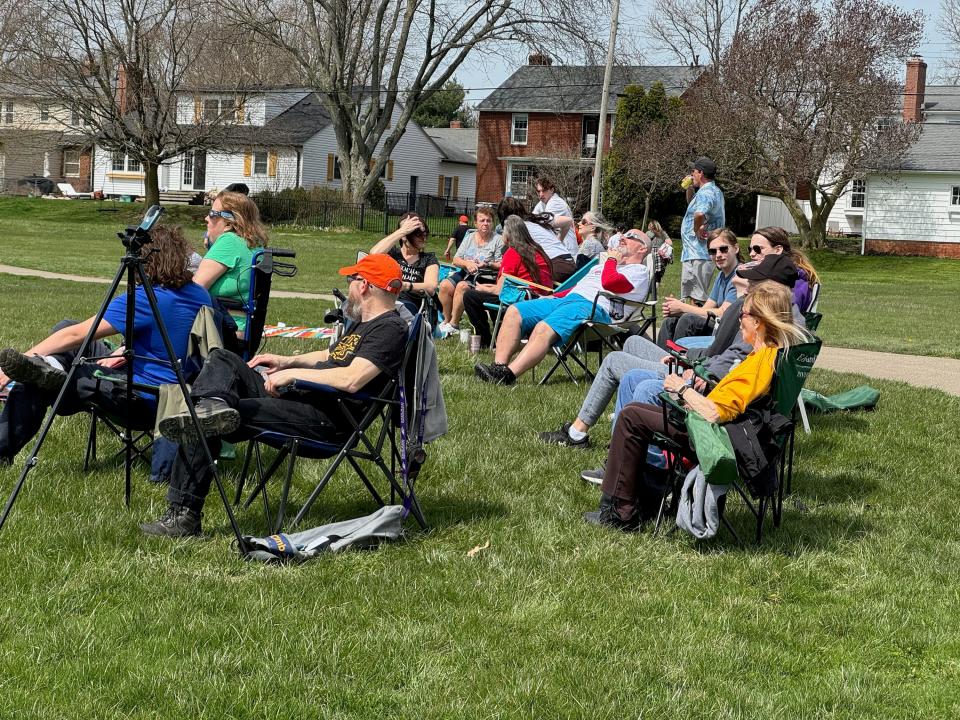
x=547, y=116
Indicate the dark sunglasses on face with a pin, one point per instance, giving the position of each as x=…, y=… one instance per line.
x=744, y=313
x=756, y=250
x=225, y=214
x=721, y=249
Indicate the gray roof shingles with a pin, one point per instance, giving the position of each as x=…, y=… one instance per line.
x=458, y=145
x=941, y=98
x=578, y=88
x=936, y=150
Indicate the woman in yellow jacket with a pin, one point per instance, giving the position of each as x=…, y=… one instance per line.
x=766, y=322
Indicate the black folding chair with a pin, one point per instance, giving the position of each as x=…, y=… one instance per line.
x=374, y=422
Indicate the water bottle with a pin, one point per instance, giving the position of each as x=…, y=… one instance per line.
x=616, y=308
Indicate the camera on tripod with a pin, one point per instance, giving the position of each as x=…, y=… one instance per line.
x=134, y=238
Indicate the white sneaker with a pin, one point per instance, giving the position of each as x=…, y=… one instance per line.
x=446, y=329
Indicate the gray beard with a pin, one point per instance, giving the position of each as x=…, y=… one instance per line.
x=351, y=311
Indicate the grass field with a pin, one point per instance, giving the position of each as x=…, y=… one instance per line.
x=873, y=303
x=848, y=611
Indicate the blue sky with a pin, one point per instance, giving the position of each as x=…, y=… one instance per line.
x=483, y=73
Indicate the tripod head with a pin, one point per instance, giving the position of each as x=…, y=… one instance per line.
x=134, y=238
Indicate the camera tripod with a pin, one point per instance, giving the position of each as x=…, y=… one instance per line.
x=131, y=268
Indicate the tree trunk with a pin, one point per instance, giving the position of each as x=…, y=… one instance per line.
x=646, y=212
x=807, y=228
x=151, y=183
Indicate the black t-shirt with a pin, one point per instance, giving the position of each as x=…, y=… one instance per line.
x=459, y=234
x=413, y=272
x=381, y=341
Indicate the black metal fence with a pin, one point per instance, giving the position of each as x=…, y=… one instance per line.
x=379, y=215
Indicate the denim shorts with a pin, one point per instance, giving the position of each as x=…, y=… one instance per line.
x=563, y=315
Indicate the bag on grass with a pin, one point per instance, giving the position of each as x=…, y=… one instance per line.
x=368, y=531
x=863, y=397
x=714, y=451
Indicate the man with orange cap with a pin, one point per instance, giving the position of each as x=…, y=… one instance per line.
x=237, y=400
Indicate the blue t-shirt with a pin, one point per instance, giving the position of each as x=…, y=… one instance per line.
x=178, y=308
x=723, y=289
x=709, y=201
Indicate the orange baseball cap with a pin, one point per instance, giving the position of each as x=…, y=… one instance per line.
x=381, y=271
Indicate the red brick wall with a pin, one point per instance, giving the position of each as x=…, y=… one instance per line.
x=547, y=134
x=912, y=247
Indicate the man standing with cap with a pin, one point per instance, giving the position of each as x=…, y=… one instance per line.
x=235, y=401
x=705, y=212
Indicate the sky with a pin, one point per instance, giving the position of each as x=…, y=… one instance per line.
x=481, y=74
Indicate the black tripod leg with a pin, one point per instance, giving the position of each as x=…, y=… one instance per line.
x=42, y=435
x=181, y=381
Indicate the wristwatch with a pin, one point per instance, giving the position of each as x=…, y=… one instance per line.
x=681, y=391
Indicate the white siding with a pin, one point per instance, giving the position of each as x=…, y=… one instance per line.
x=222, y=169
x=414, y=155
x=842, y=219
x=912, y=207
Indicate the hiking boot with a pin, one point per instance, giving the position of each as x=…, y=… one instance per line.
x=177, y=522
x=31, y=370
x=607, y=516
x=562, y=437
x=215, y=416
x=594, y=477
x=495, y=373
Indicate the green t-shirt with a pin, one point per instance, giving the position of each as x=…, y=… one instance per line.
x=231, y=250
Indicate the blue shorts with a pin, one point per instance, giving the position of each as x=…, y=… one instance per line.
x=563, y=315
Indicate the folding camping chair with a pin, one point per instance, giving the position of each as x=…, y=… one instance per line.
x=635, y=318
x=262, y=268
x=399, y=406
x=792, y=369
x=516, y=289
x=812, y=320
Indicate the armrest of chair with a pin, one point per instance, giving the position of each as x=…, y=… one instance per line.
x=528, y=283
x=122, y=380
x=307, y=387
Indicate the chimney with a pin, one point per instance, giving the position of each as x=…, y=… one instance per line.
x=914, y=89
x=539, y=59
x=456, y=124
x=123, y=97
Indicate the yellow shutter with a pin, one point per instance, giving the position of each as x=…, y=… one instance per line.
x=456, y=186
x=247, y=164
x=440, y=186
x=389, y=169
x=272, y=164
x=197, y=110
x=330, y=162
x=241, y=111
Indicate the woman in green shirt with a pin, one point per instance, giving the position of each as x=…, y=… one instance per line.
x=234, y=231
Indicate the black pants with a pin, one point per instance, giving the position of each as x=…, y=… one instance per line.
x=27, y=405
x=473, y=301
x=226, y=376
x=625, y=477
x=676, y=327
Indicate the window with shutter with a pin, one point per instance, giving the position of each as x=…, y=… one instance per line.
x=247, y=164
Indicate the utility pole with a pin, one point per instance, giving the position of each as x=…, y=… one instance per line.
x=604, y=97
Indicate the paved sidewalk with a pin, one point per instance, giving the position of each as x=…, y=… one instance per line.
x=28, y=272
x=935, y=372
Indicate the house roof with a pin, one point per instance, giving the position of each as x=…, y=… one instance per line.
x=936, y=150
x=578, y=88
x=294, y=126
x=458, y=145
x=941, y=98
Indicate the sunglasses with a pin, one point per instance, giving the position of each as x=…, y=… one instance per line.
x=756, y=250
x=225, y=214
x=721, y=249
x=744, y=313
x=351, y=278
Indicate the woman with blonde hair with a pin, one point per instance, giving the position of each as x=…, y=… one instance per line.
x=632, y=495
x=234, y=231
x=594, y=233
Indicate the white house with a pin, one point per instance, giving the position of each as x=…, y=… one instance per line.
x=285, y=138
x=916, y=210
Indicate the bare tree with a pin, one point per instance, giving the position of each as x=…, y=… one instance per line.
x=696, y=32
x=949, y=25
x=374, y=62
x=123, y=72
x=810, y=94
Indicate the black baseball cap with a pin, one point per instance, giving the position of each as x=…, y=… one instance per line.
x=705, y=165
x=779, y=268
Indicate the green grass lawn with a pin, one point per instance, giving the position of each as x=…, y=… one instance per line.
x=873, y=303
x=848, y=611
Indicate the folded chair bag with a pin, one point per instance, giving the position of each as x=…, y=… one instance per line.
x=712, y=446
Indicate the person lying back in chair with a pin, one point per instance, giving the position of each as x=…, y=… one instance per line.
x=236, y=402
x=41, y=371
x=552, y=320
